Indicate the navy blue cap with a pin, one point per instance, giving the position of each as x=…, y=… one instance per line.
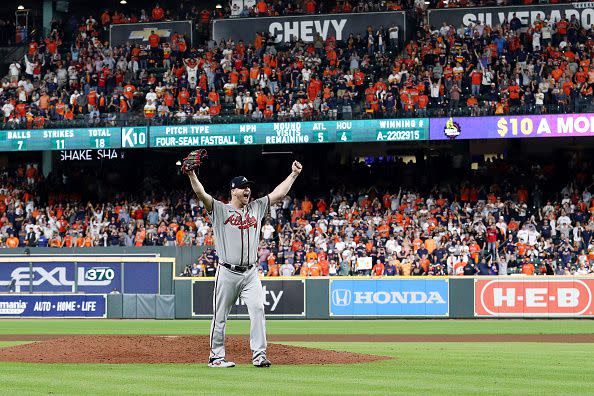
x=240, y=182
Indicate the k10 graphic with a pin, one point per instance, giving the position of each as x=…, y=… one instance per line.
x=387, y=297
x=102, y=139
x=29, y=305
x=534, y=298
x=281, y=298
x=537, y=126
x=81, y=277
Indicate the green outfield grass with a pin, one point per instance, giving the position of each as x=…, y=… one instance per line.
x=11, y=343
x=417, y=368
x=83, y=326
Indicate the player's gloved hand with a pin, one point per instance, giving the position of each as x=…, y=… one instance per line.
x=193, y=161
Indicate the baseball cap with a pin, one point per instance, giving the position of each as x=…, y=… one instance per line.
x=240, y=182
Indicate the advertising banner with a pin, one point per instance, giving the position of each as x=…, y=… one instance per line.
x=284, y=297
x=533, y=297
x=79, y=277
x=138, y=33
x=305, y=27
x=53, y=306
x=584, y=12
x=389, y=297
x=387, y=130
x=534, y=126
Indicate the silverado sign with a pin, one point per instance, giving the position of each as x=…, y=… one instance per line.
x=457, y=17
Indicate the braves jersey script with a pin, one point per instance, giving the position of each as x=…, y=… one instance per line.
x=237, y=231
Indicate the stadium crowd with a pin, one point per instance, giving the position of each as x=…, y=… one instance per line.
x=445, y=70
x=487, y=224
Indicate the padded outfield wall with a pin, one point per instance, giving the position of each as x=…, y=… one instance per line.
x=143, y=283
x=405, y=297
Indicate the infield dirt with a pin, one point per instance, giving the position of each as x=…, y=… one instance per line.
x=114, y=349
x=156, y=349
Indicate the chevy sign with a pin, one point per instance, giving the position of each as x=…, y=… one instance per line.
x=389, y=297
x=305, y=27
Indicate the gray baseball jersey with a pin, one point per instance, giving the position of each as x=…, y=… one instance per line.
x=236, y=236
x=237, y=231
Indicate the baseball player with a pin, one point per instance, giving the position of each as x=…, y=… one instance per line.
x=236, y=228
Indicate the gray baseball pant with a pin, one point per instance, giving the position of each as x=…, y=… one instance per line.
x=228, y=287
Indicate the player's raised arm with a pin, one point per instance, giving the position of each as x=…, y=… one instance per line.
x=200, y=192
x=282, y=189
x=189, y=165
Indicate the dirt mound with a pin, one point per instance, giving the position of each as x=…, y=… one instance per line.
x=164, y=349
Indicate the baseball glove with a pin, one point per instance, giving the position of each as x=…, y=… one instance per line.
x=193, y=160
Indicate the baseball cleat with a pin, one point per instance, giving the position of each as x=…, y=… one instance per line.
x=220, y=363
x=261, y=361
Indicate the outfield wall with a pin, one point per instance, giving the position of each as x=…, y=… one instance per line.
x=80, y=283
x=405, y=297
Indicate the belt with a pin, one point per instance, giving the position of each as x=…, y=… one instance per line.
x=237, y=268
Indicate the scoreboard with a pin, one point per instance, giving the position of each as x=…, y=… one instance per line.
x=290, y=132
x=72, y=139
x=307, y=132
x=387, y=130
x=60, y=139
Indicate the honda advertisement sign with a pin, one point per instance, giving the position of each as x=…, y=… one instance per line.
x=389, y=297
x=584, y=12
x=79, y=277
x=305, y=27
x=533, y=297
x=53, y=306
x=138, y=33
x=281, y=298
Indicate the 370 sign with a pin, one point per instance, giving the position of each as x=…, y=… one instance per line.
x=534, y=297
x=65, y=277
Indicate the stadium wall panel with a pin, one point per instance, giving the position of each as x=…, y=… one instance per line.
x=317, y=299
x=115, y=306
x=183, y=298
x=461, y=298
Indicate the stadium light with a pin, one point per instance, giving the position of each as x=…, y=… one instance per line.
x=21, y=7
x=218, y=6
x=123, y=2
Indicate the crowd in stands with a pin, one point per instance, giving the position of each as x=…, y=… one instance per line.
x=445, y=70
x=487, y=224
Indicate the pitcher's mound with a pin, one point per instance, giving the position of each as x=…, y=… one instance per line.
x=165, y=349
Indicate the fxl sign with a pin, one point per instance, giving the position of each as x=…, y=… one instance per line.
x=60, y=277
x=389, y=297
